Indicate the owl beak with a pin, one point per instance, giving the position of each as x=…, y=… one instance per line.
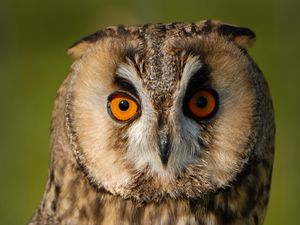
x=164, y=149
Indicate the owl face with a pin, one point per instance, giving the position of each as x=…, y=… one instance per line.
x=162, y=111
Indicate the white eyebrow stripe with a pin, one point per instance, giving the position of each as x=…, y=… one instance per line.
x=128, y=72
x=191, y=67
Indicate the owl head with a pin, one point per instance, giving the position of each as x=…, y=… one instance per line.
x=165, y=110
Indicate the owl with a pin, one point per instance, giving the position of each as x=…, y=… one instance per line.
x=161, y=124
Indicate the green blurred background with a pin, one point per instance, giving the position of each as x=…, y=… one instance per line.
x=34, y=36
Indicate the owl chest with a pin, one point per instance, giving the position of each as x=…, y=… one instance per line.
x=111, y=210
x=126, y=213
x=90, y=208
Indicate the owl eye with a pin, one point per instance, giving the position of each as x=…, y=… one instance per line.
x=122, y=107
x=203, y=103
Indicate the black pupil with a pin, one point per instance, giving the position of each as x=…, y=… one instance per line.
x=124, y=105
x=201, y=102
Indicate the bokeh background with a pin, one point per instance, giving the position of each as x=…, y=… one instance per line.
x=34, y=36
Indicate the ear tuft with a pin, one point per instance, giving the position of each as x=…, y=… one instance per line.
x=77, y=50
x=242, y=36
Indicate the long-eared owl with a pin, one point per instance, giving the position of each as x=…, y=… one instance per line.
x=163, y=124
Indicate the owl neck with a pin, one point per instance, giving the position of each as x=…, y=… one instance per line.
x=70, y=197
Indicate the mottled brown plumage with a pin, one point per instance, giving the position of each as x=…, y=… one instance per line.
x=163, y=166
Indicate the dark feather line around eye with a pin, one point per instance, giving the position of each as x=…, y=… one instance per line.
x=125, y=85
x=202, y=143
x=198, y=79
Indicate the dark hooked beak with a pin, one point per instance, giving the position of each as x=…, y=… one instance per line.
x=164, y=148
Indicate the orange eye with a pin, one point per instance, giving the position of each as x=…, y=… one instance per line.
x=202, y=104
x=122, y=107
